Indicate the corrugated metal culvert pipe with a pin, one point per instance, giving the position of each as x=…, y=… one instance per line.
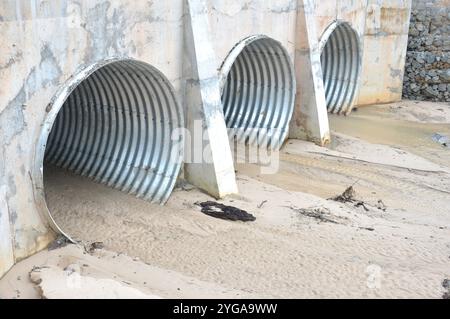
x=258, y=92
x=115, y=127
x=341, y=65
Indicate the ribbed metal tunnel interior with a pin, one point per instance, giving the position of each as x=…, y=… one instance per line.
x=115, y=128
x=340, y=65
x=259, y=92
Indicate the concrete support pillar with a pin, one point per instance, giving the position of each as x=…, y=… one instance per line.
x=310, y=120
x=209, y=163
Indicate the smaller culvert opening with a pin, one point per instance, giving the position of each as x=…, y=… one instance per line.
x=114, y=129
x=341, y=62
x=259, y=91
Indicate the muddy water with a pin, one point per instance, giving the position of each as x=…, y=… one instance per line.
x=372, y=124
x=327, y=176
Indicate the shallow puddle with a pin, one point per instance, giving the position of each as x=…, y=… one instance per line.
x=372, y=124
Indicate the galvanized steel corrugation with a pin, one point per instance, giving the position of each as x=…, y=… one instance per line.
x=258, y=97
x=341, y=66
x=116, y=127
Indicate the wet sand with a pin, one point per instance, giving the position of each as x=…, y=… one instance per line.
x=400, y=252
x=405, y=125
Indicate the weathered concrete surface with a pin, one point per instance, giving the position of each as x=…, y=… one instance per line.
x=211, y=164
x=382, y=26
x=42, y=45
x=310, y=120
x=233, y=21
x=384, y=50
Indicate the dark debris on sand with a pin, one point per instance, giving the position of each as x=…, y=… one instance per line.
x=349, y=196
x=59, y=242
x=95, y=246
x=221, y=211
x=320, y=214
x=446, y=285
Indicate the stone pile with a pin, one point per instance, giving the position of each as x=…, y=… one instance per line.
x=427, y=74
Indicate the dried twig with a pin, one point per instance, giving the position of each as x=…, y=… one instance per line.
x=262, y=204
x=319, y=213
x=349, y=196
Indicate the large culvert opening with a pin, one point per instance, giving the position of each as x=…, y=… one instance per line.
x=258, y=92
x=113, y=131
x=341, y=63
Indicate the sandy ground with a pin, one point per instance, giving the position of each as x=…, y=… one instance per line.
x=74, y=272
x=398, y=248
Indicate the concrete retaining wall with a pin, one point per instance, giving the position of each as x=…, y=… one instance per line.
x=382, y=26
x=48, y=47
